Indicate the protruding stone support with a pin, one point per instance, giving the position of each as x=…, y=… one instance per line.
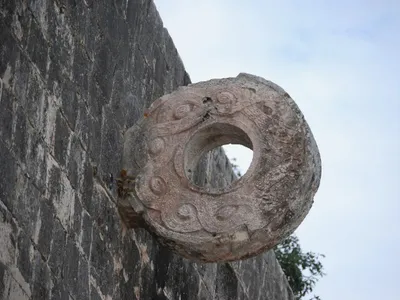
x=242, y=220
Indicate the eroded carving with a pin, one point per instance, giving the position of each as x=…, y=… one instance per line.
x=156, y=146
x=157, y=185
x=258, y=210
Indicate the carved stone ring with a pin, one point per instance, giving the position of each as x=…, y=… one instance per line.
x=253, y=214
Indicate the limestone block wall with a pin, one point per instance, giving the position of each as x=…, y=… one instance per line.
x=74, y=75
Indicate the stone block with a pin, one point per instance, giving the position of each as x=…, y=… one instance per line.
x=111, y=141
x=226, y=282
x=69, y=102
x=8, y=165
x=9, y=287
x=76, y=162
x=82, y=290
x=20, y=138
x=35, y=104
x=6, y=116
x=71, y=266
x=101, y=262
x=9, y=51
x=86, y=233
x=45, y=228
x=86, y=188
x=37, y=47
x=41, y=279
x=81, y=69
x=25, y=263
x=62, y=137
x=57, y=253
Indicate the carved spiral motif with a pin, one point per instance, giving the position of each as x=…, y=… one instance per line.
x=226, y=101
x=226, y=212
x=158, y=185
x=186, y=211
x=253, y=214
x=181, y=111
x=156, y=146
x=226, y=98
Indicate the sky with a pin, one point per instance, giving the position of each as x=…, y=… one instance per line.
x=340, y=62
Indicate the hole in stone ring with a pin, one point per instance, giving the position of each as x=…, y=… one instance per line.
x=205, y=162
x=240, y=158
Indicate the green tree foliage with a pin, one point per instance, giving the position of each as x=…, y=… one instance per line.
x=301, y=269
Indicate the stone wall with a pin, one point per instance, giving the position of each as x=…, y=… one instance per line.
x=74, y=75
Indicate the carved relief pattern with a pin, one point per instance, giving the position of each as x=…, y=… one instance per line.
x=263, y=203
x=156, y=146
x=183, y=218
x=158, y=185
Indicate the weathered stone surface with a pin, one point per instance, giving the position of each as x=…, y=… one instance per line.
x=229, y=223
x=60, y=233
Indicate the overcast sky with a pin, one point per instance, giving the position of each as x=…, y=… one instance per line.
x=340, y=61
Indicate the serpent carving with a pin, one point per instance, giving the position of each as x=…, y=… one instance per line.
x=254, y=213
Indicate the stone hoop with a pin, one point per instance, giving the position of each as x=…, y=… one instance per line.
x=254, y=213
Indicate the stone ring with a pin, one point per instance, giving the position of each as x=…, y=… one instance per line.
x=254, y=213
